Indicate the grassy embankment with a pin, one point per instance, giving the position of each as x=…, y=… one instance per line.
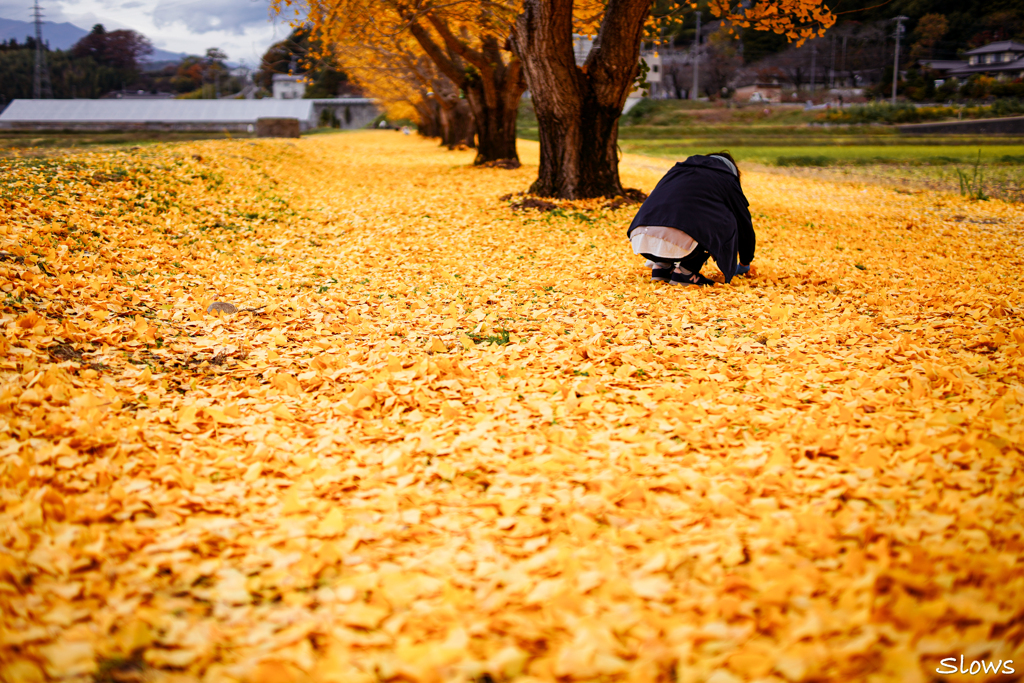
x=789, y=137
x=45, y=143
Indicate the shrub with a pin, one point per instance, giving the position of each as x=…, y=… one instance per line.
x=640, y=111
x=879, y=112
x=1008, y=107
x=948, y=91
x=1013, y=89
x=978, y=87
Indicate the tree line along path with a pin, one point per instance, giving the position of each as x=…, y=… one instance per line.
x=442, y=439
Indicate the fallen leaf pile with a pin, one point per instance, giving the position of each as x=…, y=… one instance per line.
x=442, y=440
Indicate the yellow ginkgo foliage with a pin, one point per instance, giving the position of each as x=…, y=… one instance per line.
x=441, y=439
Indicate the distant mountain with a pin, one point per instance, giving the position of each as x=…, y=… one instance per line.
x=63, y=36
x=165, y=56
x=59, y=36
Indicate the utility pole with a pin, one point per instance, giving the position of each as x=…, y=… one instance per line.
x=41, y=75
x=844, y=59
x=832, y=64
x=696, y=57
x=896, y=61
x=814, y=59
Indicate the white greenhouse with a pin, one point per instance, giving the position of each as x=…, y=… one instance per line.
x=186, y=115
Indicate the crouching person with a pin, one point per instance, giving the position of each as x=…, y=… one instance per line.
x=697, y=211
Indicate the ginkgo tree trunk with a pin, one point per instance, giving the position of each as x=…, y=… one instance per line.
x=491, y=83
x=464, y=46
x=455, y=116
x=578, y=108
x=442, y=114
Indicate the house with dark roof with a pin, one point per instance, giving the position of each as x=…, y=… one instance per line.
x=1004, y=60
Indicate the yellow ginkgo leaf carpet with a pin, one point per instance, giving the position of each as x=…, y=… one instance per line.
x=443, y=440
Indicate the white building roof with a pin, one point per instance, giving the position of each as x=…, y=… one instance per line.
x=154, y=111
x=343, y=100
x=1001, y=46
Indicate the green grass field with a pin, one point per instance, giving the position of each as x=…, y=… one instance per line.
x=754, y=125
x=935, y=167
x=832, y=155
x=792, y=140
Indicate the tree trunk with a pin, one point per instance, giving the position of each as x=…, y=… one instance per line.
x=457, y=125
x=495, y=124
x=578, y=108
x=492, y=87
x=578, y=150
x=429, y=114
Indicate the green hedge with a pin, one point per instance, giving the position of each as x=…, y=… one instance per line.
x=880, y=112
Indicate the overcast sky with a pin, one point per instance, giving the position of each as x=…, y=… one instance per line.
x=242, y=28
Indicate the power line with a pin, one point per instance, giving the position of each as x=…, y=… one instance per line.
x=41, y=88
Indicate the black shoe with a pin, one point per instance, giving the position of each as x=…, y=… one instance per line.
x=661, y=275
x=692, y=279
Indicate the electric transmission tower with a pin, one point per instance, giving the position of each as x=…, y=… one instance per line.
x=41, y=88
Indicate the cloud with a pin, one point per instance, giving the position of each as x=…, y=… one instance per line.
x=21, y=10
x=205, y=16
x=242, y=28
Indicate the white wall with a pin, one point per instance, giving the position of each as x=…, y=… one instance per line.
x=289, y=90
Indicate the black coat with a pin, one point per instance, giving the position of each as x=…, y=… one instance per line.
x=703, y=198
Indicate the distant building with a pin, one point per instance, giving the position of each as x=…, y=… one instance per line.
x=1004, y=60
x=654, y=72
x=288, y=87
x=193, y=115
x=581, y=47
x=583, y=44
